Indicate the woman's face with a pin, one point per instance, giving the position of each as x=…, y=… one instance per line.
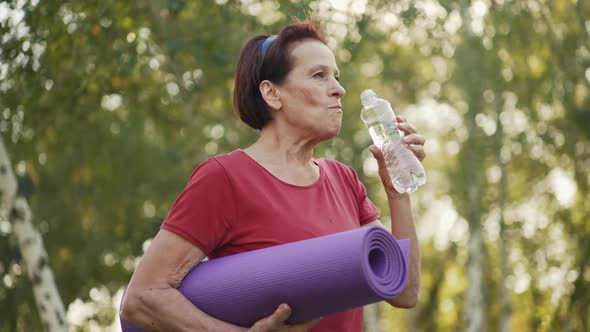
x=310, y=95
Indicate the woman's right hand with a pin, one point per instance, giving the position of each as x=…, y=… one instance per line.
x=277, y=322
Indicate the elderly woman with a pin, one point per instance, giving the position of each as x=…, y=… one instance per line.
x=272, y=192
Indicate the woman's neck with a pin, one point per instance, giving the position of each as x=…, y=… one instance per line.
x=282, y=149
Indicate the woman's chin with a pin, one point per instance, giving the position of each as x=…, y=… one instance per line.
x=329, y=134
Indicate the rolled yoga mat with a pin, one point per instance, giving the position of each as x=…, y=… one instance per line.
x=316, y=277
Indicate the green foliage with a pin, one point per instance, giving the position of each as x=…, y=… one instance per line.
x=110, y=105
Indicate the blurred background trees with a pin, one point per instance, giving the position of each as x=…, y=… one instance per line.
x=107, y=106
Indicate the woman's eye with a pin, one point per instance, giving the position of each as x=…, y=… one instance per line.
x=319, y=74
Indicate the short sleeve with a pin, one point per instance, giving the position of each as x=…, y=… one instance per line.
x=204, y=210
x=367, y=210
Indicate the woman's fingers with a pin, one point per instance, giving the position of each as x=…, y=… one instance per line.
x=306, y=326
x=383, y=173
x=273, y=322
x=279, y=317
x=414, y=139
x=277, y=322
x=411, y=139
x=379, y=157
x=376, y=152
x=418, y=151
x=406, y=128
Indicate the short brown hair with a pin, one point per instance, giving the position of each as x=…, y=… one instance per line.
x=253, y=69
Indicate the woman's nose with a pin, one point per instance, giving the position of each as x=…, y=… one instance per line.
x=338, y=90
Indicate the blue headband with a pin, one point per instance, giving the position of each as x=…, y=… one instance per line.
x=266, y=44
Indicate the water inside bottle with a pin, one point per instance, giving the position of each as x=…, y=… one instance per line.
x=381, y=133
x=405, y=171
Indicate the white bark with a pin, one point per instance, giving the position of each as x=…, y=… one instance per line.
x=506, y=314
x=371, y=317
x=16, y=210
x=474, y=308
x=505, y=300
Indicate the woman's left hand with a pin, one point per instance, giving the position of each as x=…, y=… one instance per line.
x=412, y=140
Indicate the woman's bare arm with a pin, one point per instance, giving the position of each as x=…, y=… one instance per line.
x=152, y=300
x=403, y=228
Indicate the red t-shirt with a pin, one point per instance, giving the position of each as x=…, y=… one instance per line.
x=232, y=204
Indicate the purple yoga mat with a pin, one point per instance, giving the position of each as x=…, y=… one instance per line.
x=316, y=277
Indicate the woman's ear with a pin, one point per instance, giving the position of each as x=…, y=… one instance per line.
x=270, y=94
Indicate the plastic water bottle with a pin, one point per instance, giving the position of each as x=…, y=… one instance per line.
x=405, y=170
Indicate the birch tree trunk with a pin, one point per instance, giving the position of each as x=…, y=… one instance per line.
x=469, y=54
x=371, y=317
x=16, y=210
x=505, y=301
x=474, y=312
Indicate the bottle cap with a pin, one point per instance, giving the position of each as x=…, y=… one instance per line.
x=368, y=97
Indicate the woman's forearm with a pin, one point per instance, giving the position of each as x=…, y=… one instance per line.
x=166, y=309
x=403, y=227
